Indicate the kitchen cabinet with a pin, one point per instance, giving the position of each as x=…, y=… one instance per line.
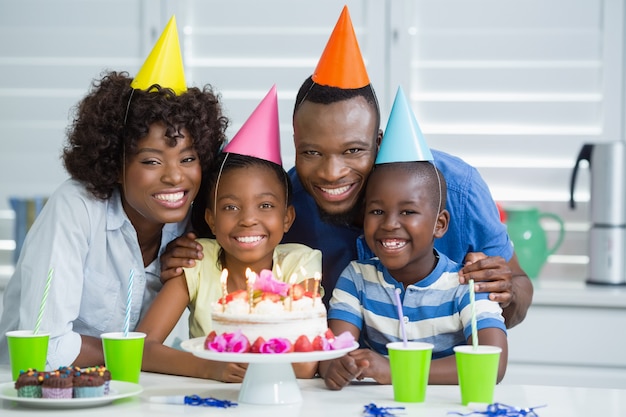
x=574, y=334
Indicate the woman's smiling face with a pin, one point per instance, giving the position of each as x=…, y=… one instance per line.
x=159, y=181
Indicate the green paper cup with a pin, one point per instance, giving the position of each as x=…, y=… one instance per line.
x=410, y=366
x=123, y=355
x=478, y=372
x=27, y=350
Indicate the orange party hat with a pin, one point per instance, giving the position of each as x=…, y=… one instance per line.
x=164, y=65
x=341, y=64
x=260, y=134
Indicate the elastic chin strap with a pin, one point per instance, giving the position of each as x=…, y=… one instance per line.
x=217, y=183
x=130, y=98
x=439, y=208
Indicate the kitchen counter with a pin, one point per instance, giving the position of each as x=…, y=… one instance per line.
x=578, y=294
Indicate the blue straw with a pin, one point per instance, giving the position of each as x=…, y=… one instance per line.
x=400, y=315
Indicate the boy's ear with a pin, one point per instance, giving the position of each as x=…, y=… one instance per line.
x=441, y=225
x=209, y=218
x=290, y=217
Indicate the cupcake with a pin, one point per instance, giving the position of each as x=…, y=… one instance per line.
x=88, y=383
x=57, y=384
x=28, y=384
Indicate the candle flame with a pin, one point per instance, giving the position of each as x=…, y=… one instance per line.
x=224, y=276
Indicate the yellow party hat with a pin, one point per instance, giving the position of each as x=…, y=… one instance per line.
x=164, y=65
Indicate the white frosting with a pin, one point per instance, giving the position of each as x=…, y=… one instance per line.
x=272, y=320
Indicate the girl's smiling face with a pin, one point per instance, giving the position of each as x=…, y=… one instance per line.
x=160, y=181
x=249, y=216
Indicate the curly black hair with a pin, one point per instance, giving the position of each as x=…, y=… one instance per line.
x=224, y=163
x=323, y=94
x=111, y=119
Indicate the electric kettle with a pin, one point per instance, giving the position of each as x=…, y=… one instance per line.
x=607, y=207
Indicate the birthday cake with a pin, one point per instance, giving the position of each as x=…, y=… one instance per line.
x=272, y=317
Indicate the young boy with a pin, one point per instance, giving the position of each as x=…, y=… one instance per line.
x=404, y=209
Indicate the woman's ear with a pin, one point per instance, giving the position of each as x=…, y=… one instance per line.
x=290, y=217
x=441, y=225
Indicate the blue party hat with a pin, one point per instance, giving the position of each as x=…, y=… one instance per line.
x=403, y=140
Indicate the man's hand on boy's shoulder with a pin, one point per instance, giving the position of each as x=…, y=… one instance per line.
x=180, y=253
x=490, y=274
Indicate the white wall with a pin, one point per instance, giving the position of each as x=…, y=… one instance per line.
x=514, y=87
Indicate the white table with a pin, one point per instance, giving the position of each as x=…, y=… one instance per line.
x=320, y=402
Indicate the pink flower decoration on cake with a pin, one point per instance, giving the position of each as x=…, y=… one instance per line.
x=267, y=283
x=343, y=341
x=277, y=345
x=230, y=342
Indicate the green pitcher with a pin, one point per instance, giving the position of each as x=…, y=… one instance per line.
x=529, y=237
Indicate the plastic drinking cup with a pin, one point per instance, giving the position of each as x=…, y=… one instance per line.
x=123, y=355
x=410, y=366
x=478, y=372
x=27, y=350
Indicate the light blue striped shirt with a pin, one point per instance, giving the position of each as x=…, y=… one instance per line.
x=436, y=309
x=92, y=247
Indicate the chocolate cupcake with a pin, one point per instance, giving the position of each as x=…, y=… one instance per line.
x=28, y=384
x=88, y=383
x=57, y=384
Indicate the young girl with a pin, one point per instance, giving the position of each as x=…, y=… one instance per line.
x=249, y=211
x=135, y=157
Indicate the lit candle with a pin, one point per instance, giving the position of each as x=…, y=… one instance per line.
x=223, y=280
x=250, y=279
x=317, y=277
x=292, y=281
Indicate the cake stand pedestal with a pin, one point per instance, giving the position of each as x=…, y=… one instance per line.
x=269, y=379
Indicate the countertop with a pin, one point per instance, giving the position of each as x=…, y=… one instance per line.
x=578, y=294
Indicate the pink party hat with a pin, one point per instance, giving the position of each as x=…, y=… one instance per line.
x=259, y=136
x=403, y=140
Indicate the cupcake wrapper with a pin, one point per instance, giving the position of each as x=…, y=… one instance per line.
x=56, y=392
x=30, y=391
x=89, y=392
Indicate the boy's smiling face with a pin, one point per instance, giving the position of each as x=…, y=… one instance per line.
x=402, y=220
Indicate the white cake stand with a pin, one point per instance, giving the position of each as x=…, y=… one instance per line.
x=269, y=378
